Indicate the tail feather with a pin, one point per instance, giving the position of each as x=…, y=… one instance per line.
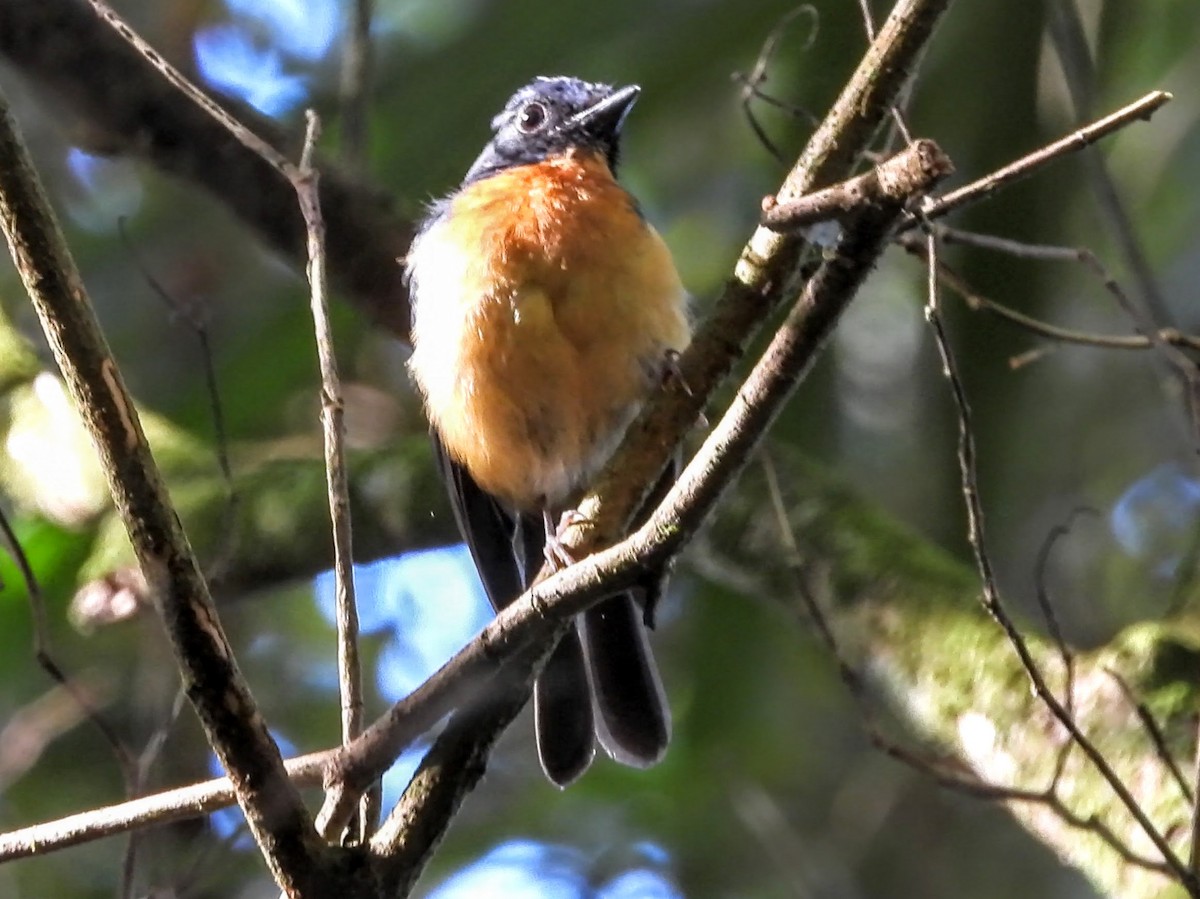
x=611, y=688
x=562, y=713
x=633, y=720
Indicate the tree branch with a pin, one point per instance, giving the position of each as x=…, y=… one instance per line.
x=236, y=730
x=763, y=277
x=435, y=794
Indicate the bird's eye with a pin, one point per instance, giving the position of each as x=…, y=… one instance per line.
x=531, y=117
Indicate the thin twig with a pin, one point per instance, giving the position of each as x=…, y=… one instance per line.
x=1043, y=599
x=1049, y=797
x=864, y=7
x=752, y=83
x=849, y=675
x=1032, y=162
x=946, y=774
x=760, y=813
x=44, y=657
x=991, y=597
x=1185, y=575
x=178, y=80
x=899, y=125
x=1165, y=340
x=333, y=431
x=96, y=82
x=145, y=761
x=164, y=807
x=977, y=301
x=31, y=728
x=1194, y=840
x=80, y=696
x=1154, y=732
x=196, y=321
x=305, y=182
x=1065, y=653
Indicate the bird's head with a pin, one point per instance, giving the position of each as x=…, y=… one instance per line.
x=551, y=116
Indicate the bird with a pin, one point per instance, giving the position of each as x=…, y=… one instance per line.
x=545, y=310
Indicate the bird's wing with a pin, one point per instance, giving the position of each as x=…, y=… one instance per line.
x=492, y=534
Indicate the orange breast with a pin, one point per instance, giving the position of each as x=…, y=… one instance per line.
x=543, y=305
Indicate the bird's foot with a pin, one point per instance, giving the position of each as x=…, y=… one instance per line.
x=556, y=552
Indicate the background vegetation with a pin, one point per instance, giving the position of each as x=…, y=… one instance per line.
x=771, y=788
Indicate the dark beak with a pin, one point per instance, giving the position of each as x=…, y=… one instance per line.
x=602, y=120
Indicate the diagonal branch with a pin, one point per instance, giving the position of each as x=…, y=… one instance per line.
x=1077, y=140
x=764, y=276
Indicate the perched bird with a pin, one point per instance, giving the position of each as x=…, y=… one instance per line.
x=545, y=310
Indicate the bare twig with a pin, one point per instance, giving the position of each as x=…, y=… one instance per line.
x=1154, y=732
x=991, y=596
x=752, y=83
x=196, y=321
x=304, y=180
x=1065, y=653
x=35, y=725
x=166, y=806
x=850, y=676
x=177, y=79
x=333, y=429
x=970, y=785
x=41, y=637
x=760, y=813
x=117, y=96
x=1194, y=841
x=977, y=301
x=1043, y=598
x=1166, y=341
x=83, y=697
x=947, y=773
x=1027, y=165
x=864, y=7
x=899, y=125
x=145, y=761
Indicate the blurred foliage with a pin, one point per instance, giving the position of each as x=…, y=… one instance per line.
x=770, y=789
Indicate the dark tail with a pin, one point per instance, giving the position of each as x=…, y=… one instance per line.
x=633, y=720
x=630, y=713
x=562, y=713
